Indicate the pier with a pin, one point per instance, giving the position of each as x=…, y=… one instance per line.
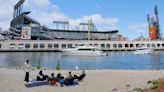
x=57, y=45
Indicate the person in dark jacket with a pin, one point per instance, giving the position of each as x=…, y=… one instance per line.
x=81, y=77
x=41, y=76
x=69, y=80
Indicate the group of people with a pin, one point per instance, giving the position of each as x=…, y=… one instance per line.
x=68, y=80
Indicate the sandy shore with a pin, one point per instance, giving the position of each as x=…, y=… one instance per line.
x=95, y=81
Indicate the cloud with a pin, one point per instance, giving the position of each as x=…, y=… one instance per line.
x=50, y=12
x=6, y=12
x=142, y=27
x=101, y=22
x=45, y=11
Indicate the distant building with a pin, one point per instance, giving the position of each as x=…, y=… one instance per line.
x=119, y=37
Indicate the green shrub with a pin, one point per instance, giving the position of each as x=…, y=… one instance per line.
x=136, y=90
x=155, y=82
x=155, y=86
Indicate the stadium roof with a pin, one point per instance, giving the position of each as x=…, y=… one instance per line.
x=113, y=31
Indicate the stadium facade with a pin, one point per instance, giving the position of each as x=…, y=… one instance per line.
x=39, y=32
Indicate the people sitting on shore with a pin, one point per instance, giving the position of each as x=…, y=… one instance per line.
x=81, y=77
x=69, y=75
x=60, y=79
x=41, y=76
x=69, y=80
x=52, y=79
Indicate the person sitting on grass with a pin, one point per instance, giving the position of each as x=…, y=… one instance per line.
x=81, y=77
x=41, y=76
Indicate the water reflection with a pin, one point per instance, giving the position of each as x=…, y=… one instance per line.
x=155, y=61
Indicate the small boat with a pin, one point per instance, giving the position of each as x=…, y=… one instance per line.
x=143, y=50
x=85, y=50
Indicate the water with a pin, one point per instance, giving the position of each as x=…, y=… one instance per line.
x=114, y=60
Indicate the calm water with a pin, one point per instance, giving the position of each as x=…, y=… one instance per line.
x=114, y=60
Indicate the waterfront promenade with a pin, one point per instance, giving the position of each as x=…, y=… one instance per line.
x=95, y=81
x=57, y=45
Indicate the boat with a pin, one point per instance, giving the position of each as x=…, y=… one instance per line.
x=85, y=50
x=143, y=50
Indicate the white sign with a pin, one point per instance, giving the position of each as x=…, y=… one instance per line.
x=26, y=33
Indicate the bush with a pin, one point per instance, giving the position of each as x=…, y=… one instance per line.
x=155, y=82
x=136, y=90
x=154, y=86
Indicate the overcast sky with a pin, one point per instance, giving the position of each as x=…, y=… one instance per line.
x=127, y=16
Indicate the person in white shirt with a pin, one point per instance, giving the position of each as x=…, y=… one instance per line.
x=27, y=69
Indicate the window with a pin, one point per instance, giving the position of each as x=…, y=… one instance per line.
x=158, y=45
x=131, y=45
x=108, y=45
x=137, y=45
x=63, y=45
x=114, y=45
x=20, y=44
x=49, y=45
x=102, y=45
x=41, y=45
x=69, y=45
x=162, y=45
x=35, y=45
x=79, y=44
x=148, y=45
x=27, y=45
x=126, y=45
x=96, y=45
x=153, y=45
x=120, y=45
x=12, y=45
x=56, y=45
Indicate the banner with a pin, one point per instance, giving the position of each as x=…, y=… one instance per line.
x=153, y=29
x=26, y=33
x=153, y=33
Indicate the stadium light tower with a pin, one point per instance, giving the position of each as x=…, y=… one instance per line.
x=157, y=20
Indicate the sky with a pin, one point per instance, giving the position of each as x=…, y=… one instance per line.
x=127, y=16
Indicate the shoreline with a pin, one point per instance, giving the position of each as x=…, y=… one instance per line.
x=48, y=69
x=95, y=80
